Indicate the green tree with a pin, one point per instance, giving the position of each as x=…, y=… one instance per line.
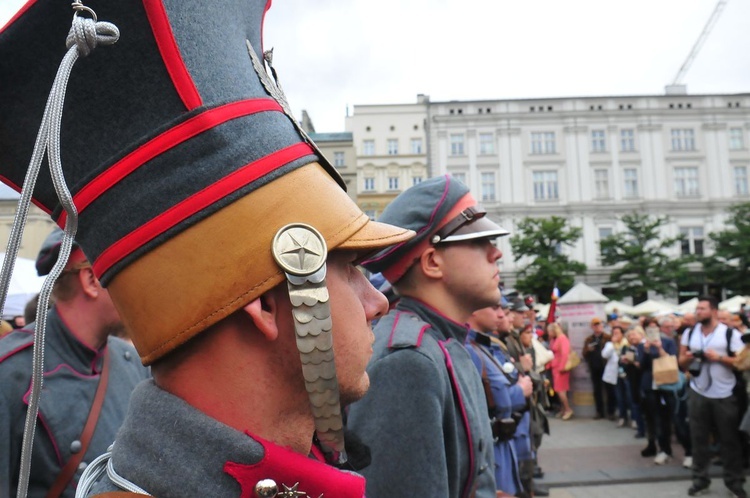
x=641, y=258
x=729, y=265
x=542, y=240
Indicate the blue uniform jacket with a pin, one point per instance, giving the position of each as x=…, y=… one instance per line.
x=507, y=398
x=425, y=415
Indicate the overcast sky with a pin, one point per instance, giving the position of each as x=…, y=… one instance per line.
x=333, y=54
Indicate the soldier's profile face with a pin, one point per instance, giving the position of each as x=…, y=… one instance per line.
x=470, y=272
x=354, y=304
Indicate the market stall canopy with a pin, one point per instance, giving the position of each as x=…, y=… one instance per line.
x=653, y=307
x=688, y=306
x=24, y=285
x=622, y=308
x=582, y=293
x=733, y=303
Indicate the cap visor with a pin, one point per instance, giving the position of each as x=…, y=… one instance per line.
x=479, y=229
x=375, y=235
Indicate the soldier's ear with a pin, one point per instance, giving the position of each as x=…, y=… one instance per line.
x=89, y=283
x=263, y=312
x=431, y=262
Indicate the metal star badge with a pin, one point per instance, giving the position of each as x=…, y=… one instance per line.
x=299, y=249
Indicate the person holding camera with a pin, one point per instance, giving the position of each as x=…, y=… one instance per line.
x=708, y=352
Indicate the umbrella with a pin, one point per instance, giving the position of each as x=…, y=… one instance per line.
x=733, y=303
x=24, y=285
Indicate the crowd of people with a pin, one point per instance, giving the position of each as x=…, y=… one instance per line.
x=681, y=375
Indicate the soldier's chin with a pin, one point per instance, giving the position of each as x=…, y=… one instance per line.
x=350, y=394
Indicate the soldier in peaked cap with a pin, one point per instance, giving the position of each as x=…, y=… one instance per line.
x=181, y=157
x=425, y=417
x=89, y=376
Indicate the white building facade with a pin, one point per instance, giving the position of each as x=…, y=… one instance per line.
x=391, y=146
x=590, y=160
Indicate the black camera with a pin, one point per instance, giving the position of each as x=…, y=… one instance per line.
x=695, y=366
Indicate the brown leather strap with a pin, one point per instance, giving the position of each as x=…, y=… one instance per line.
x=485, y=382
x=69, y=470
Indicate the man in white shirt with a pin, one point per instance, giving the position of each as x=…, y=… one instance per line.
x=708, y=352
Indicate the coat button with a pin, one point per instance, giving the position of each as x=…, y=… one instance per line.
x=266, y=488
x=75, y=446
x=82, y=466
x=127, y=355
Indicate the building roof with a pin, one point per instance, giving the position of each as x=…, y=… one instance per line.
x=342, y=136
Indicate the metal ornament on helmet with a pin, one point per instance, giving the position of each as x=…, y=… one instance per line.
x=300, y=250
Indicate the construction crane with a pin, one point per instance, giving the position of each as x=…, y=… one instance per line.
x=699, y=42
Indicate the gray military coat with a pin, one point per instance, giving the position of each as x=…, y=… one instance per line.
x=72, y=372
x=425, y=416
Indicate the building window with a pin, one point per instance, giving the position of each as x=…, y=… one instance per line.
x=488, y=186
x=627, y=140
x=368, y=147
x=416, y=145
x=486, y=144
x=740, y=181
x=601, y=183
x=369, y=184
x=457, y=144
x=604, y=232
x=338, y=159
x=416, y=180
x=598, y=141
x=543, y=142
x=392, y=146
x=545, y=185
x=392, y=183
x=461, y=177
x=686, y=182
x=683, y=139
x=630, y=176
x=736, y=139
x=692, y=241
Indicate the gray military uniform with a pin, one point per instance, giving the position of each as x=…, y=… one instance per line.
x=172, y=450
x=72, y=372
x=425, y=415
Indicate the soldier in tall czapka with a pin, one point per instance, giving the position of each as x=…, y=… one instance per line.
x=226, y=240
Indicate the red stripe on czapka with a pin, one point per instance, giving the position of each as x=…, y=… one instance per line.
x=164, y=142
x=170, y=54
x=197, y=202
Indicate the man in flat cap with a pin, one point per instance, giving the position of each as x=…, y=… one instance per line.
x=425, y=416
x=209, y=216
x=89, y=375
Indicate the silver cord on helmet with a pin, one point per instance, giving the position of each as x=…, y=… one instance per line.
x=85, y=34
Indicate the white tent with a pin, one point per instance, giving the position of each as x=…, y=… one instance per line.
x=653, y=307
x=622, y=308
x=688, y=306
x=733, y=303
x=542, y=310
x=582, y=293
x=24, y=285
